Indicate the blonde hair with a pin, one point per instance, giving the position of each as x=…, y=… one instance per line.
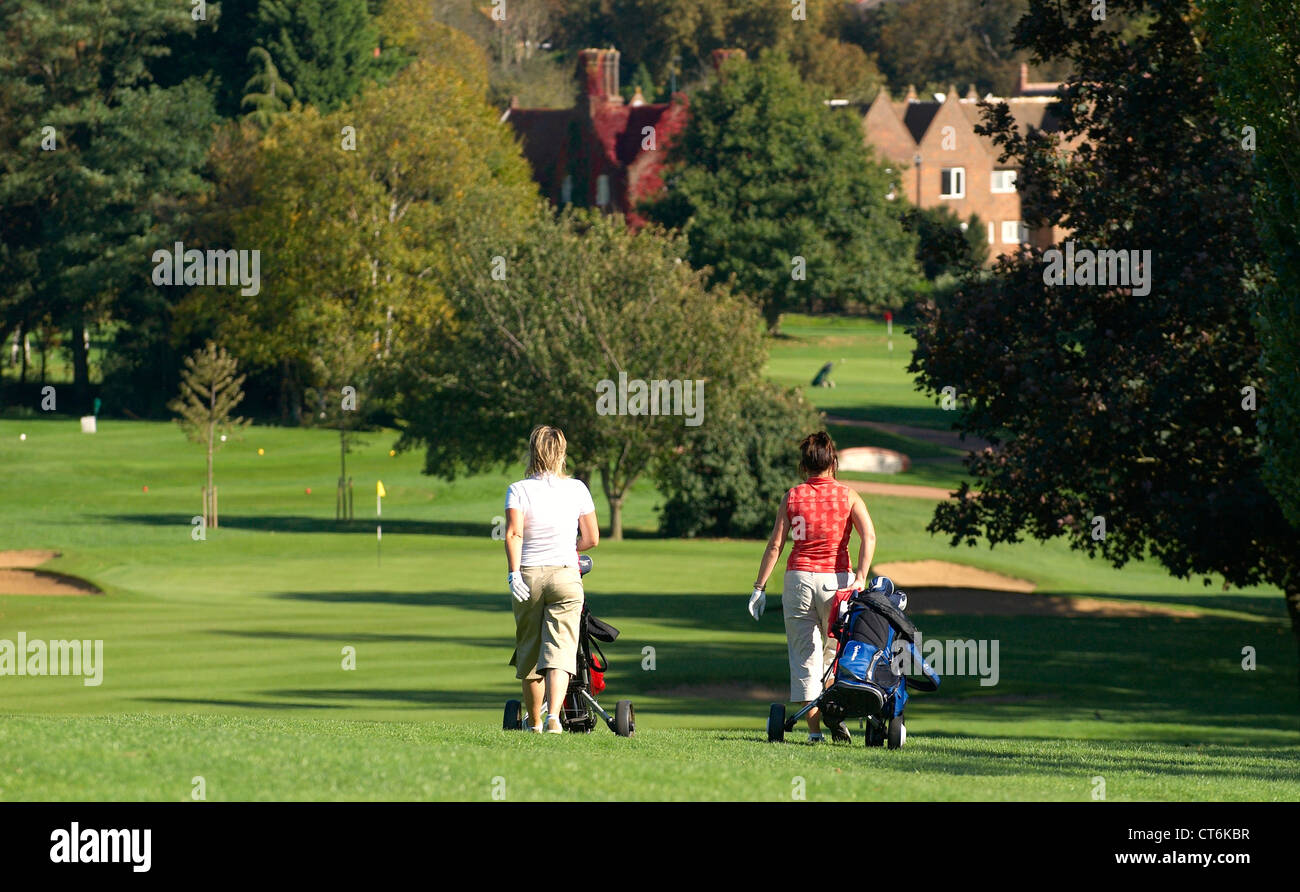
x=546, y=448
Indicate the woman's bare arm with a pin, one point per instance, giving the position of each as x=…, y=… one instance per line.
x=514, y=538
x=588, y=532
x=867, y=540
x=775, y=542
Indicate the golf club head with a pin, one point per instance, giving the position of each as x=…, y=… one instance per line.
x=584, y=564
x=881, y=585
x=899, y=599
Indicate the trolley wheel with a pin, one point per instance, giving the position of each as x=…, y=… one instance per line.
x=776, y=723
x=897, y=732
x=513, y=720
x=624, y=719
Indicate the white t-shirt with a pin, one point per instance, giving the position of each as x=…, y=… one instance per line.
x=551, y=507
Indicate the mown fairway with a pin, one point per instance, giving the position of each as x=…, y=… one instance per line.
x=223, y=657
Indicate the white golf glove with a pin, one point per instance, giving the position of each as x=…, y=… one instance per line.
x=518, y=587
x=757, y=603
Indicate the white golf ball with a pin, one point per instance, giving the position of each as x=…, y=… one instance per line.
x=22, y=436
x=223, y=438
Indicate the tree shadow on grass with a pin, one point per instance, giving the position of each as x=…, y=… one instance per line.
x=971, y=755
x=298, y=523
x=1264, y=605
x=233, y=704
x=1163, y=676
x=363, y=637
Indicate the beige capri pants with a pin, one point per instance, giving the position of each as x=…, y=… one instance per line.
x=546, y=625
x=806, y=603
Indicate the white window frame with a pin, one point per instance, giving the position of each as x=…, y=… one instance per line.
x=1005, y=189
x=602, y=190
x=960, y=175
x=1019, y=232
x=993, y=233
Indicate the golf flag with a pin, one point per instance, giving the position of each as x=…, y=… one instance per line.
x=379, y=489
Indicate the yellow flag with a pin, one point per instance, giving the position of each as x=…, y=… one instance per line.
x=379, y=489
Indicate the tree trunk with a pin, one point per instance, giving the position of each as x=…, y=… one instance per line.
x=22, y=350
x=80, y=365
x=772, y=313
x=616, y=518
x=1293, y=608
x=212, y=507
x=284, y=391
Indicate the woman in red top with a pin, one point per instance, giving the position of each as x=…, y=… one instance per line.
x=817, y=516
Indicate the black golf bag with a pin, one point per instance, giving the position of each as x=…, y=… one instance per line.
x=590, y=673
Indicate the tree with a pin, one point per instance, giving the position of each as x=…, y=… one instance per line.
x=216, y=50
x=412, y=27
x=771, y=187
x=934, y=43
x=345, y=365
x=548, y=326
x=1253, y=52
x=353, y=212
x=680, y=36
x=728, y=478
x=266, y=94
x=1116, y=411
x=211, y=388
x=325, y=48
x=97, y=163
x=946, y=245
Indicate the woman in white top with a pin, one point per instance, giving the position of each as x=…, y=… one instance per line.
x=545, y=513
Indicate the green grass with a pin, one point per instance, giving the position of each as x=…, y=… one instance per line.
x=871, y=384
x=272, y=758
x=223, y=657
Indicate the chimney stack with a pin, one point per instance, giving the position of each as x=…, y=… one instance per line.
x=598, y=74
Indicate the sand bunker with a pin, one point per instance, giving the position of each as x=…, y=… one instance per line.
x=937, y=587
x=911, y=575
x=31, y=557
x=18, y=576
x=901, y=490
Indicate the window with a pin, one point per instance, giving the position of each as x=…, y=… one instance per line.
x=952, y=182
x=566, y=190
x=602, y=190
x=1014, y=232
x=992, y=238
x=1003, y=181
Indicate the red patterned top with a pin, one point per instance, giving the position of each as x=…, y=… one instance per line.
x=820, y=512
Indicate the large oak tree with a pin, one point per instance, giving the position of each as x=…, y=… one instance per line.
x=1103, y=401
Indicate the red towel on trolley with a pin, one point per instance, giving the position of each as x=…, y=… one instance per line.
x=841, y=598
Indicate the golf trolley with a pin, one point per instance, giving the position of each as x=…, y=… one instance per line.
x=866, y=678
x=580, y=706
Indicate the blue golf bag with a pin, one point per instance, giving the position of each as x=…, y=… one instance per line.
x=876, y=662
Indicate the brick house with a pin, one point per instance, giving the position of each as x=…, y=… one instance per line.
x=604, y=151
x=942, y=162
